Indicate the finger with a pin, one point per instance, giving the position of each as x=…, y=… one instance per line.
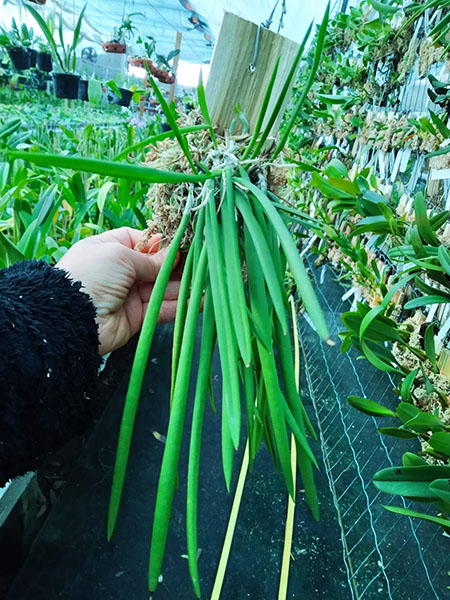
x=178, y=270
x=168, y=311
x=127, y=236
x=152, y=245
x=146, y=266
x=171, y=293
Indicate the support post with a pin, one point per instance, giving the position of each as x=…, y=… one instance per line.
x=142, y=100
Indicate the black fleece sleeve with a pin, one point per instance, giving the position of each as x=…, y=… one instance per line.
x=48, y=363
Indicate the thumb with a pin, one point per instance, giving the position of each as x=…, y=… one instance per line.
x=147, y=266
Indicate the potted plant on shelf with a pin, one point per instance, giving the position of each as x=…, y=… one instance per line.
x=44, y=58
x=121, y=95
x=117, y=44
x=26, y=37
x=10, y=40
x=65, y=80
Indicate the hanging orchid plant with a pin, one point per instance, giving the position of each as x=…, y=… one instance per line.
x=235, y=233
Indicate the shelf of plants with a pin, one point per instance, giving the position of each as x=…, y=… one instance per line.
x=348, y=211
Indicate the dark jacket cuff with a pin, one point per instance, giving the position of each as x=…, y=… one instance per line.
x=49, y=363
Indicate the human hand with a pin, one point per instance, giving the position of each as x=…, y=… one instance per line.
x=119, y=281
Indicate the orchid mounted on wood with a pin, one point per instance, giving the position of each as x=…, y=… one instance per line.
x=234, y=230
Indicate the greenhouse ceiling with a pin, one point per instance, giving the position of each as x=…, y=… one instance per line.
x=198, y=21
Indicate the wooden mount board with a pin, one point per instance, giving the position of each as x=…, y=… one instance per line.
x=230, y=81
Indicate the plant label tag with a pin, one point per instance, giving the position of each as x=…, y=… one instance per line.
x=371, y=241
x=415, y=174
x=348, y=294
x=406, y=153
x=439, y=174
x=308, y=246
x=406, y=266
x=397, y=163
x=443, y=331
x=322, y=274
x=417, y=26
x=426, y=23
x=447, y=202
x=309, y=321
x=355, y=300
x=431, y=313
x=381, y=164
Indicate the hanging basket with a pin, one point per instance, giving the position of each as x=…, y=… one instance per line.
x=114, y=48
x=164, y=76
x=142, y=63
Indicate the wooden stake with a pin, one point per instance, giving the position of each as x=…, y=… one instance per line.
x=175, y=67
x=142, y=100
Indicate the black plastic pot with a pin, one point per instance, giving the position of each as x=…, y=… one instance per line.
x=66, y=85
x=19, y=58
x=33, y=57
x=83, y=90
x=126, y=97
x=44, y=62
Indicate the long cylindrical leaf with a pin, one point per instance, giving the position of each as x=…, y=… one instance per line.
x=183, y=294
x=172, y=122
x=203, y=375
x=110, y=168
x=233, y=269
x=304, y=286
x=225, y=337
x=169, y=467
x=138, y=371
x=283, y=345
x=264, y=256
x=268, y=367
x=180, y=316
x=305, y=465
x=248, y=379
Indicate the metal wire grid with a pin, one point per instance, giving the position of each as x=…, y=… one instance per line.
x=386, y=556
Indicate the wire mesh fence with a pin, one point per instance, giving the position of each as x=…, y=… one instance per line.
x=386, y=556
